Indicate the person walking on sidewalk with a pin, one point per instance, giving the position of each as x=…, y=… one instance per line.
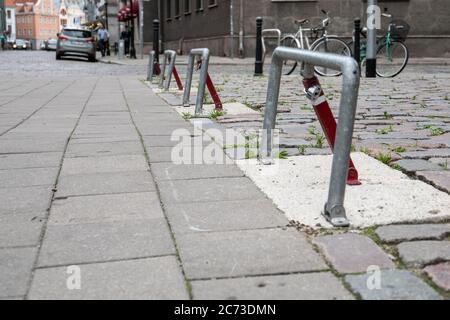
x=126, y=36
x=103, y=36
x=2, y=40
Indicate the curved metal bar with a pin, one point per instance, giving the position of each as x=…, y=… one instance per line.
x=169, y=57
x=277, y=32
x=203, y=53
x=334, y=208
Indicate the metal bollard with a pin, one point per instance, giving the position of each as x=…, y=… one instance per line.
x=277, y=32
x=357, y=42
x=334, y=210
x=204, y=80
x=156, y=38
x=151, y=66
x=259, y=49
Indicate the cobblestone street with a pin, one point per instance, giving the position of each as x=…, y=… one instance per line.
x=88, y=185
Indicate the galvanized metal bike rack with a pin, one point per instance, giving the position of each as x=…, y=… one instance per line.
x=170, y=57
x=339, y=136
x=267, y=32
x=205, y=80
x=153, y=66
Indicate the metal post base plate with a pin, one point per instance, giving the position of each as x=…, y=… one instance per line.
x=336, y=216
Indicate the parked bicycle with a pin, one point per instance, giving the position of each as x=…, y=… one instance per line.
x=392, y=52
x=315, y=39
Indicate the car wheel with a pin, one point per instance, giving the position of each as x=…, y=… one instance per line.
x=58, y=56
x=92, y=59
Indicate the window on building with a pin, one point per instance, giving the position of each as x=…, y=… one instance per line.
x=8, y=14
x=169, y=9
x=212, y=3
x=30, y=33
x=187, y=6
x=198, y=5
x=177, y=8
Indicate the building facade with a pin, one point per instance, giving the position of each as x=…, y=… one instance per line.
x=71, y=13
x=36, y=21
x=10, y=20
x=228, y=27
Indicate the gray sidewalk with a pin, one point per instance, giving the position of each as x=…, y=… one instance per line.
x=87, y=181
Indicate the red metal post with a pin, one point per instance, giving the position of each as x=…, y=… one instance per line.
x=177, y=78
x=328, y=123
x=157, y=69
x=213, y=92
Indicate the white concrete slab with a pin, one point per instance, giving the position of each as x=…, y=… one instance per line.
x=232, y=108
x=299, y=187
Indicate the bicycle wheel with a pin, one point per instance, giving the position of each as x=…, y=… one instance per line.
x=392, y=59
x=289, y=65
x=331, y=45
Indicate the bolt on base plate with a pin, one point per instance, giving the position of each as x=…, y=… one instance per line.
x=336, y=216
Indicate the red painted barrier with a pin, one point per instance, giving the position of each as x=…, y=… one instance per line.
x=177, y=79
x=328, y=123
x=213, y=92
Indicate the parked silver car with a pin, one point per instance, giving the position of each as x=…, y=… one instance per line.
x=76, y=42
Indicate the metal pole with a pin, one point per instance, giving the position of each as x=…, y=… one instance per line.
x=108, y=48
x=151, y=65
x=231, y=30
x=156, y=39
x=133, y=48
x=141, y=28
x=357, y=42
x=371, y=61
x=259, y=53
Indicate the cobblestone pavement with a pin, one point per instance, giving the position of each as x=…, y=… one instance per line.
x=88, y=188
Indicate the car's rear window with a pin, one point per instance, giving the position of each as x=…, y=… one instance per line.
x=77, y=33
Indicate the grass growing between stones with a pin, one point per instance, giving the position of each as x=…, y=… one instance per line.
x=383, y=157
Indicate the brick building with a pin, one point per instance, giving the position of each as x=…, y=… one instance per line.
x=36, y=20
x=228, y=26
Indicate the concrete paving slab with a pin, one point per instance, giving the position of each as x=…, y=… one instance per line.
x=106, y=208
x=184, y=154
x=351, y=253
x=170, y=171
x=23, y=200
x=440, y=274
x=105, y=183
x=224, y=216
x=385, y=196
x=30, y=146
x=409, y=232
x=30, y=160
x=30, y=177
x=395, y=285
x=104, y=164
x=244, y=253
x=104, y=149
x=420, y=253
x=21, y=230
x=153, y=278
x=440, y=180
x=308, y=286
x=15, y=270
x=202, y=190
x=97, y=242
